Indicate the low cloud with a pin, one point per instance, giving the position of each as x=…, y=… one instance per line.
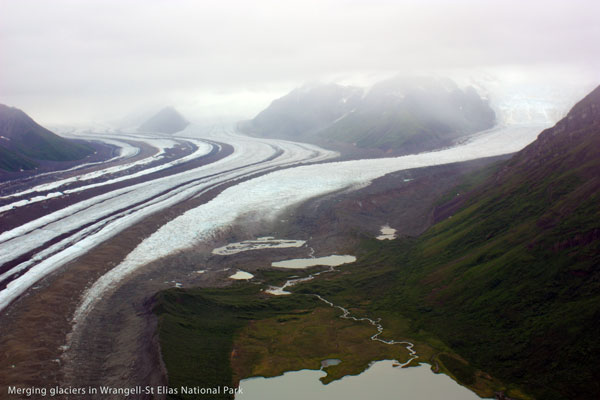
x=69, y=60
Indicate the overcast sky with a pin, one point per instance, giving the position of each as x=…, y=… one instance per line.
x=77, y=60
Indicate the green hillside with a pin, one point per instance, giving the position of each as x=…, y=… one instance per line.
x=9, y=161
x=511, y=280
x=24, y=142
x=503, y=293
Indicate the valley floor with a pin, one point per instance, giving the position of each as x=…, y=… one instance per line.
x=113, y=338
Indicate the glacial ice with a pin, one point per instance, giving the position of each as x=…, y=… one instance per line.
x=269, y=195
x=250, y=156
x=265, y=196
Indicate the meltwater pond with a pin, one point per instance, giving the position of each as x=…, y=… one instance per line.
x=241, y=275
x=302, y=263
x=387, y=233
x=381, y=381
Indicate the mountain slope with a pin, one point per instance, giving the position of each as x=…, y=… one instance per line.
x=23, y=142
x=167, y=120
x=503, y=293
x=510, y=280
x=397, y=115
x=304, y=111
x=414, y=114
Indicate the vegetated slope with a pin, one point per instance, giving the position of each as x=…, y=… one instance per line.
x=511, y=278
x=23, y=142
x=396, y=115
x=167, y=120
x=197, y=328
x=203, y=333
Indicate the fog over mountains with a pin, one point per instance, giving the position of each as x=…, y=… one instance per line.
x=167, y=120
x=397, y=115
x=430, y=142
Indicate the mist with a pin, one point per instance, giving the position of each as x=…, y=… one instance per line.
x=69, y=61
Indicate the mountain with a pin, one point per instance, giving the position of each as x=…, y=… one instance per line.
x=502, y=292
x=23, y=143
x=397, y=115
x=509, y=278
x=304, y=111
x=167, y=120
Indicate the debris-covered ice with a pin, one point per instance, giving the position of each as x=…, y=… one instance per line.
x=262, y=243
x=269, y=195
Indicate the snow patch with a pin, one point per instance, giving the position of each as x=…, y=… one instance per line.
x=387, y=233
x=241, y=275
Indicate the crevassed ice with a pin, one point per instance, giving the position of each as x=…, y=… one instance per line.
x=203, y=149
x=270, y=194
x=250, y=156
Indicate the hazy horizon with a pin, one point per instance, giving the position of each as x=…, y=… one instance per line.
x=67, y=61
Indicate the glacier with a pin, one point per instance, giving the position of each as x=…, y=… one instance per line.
x=269, y=195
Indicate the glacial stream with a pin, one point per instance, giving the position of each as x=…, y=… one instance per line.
x=385, y=379
x=267, y=196
x=382, y=380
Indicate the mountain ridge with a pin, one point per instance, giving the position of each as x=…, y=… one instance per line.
x=396, y=116
x=23, y=142
x=167, y=120
x=509, y=275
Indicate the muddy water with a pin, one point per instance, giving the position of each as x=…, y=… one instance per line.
x=301, y=263
x=381, y=381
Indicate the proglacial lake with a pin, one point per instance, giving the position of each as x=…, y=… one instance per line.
x=380, y=381
x=301, y=263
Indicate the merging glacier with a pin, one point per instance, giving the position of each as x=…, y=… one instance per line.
x=94, y=220
x=269, y=195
